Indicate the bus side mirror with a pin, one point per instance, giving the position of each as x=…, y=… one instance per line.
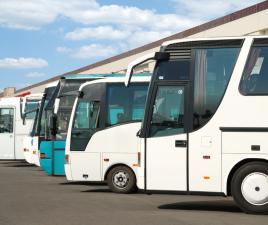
x=159, y=56
x=53, y=124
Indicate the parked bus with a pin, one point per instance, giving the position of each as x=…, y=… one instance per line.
x=12, y=128
x=38, y=131
x=205, y=128
x=101, y=142
x=58, y=111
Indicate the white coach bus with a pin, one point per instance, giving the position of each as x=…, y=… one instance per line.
x=12, y=128
x=205, y=128
x=101, y=142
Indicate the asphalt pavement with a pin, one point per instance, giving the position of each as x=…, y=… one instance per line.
x=29, y=197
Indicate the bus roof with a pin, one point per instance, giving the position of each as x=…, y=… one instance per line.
x=166, y=43
x=118, y=80
x=85, y=76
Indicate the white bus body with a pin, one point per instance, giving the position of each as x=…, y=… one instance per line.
x=205, y=127
x=12, y=129
x=30, y=103
x=112, y=148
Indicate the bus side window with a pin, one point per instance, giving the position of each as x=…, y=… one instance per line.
x=87, y=115
x=125, y=104
x=6, y=120
x=255, y=77
x=139, y=97
x=213, y=69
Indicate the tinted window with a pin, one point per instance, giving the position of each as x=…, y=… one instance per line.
x=44, y=121
x=31, y=105
x=40, y=128
x=173, y=70
x=66, y=105
x=85, y=123
x=212, y=72
x=64, y=113
x=86, y=115
x=6, y=120
x=125, y=104
x=168, y=111
x=255, y=77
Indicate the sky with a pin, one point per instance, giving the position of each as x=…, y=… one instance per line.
x=40, y=39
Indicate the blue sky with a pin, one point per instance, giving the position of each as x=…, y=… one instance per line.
x=43, y=38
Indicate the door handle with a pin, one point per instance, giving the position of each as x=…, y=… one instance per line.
x=180, y=143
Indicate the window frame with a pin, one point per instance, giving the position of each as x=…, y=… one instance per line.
x=13, y=119
x=192, y=76
x=243, y=73
x=98, y=116
x=187, y=108
x=106, y=113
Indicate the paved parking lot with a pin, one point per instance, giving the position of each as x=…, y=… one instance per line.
x=29, y=197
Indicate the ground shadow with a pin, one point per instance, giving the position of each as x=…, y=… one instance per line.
x=20, y=165
x=7, y=162
x=83, y=183
x=220, y=205
x=106, y=190
x=16, y=163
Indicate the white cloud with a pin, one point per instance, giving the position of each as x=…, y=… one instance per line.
x=142, y=37
x=99, y=33
x=22, y=63
x=63, y=49
x=92, y=51
x=33, y=14
x=129, y=40
x=35, y=74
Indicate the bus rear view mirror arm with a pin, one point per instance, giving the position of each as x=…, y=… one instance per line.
x=143, y=59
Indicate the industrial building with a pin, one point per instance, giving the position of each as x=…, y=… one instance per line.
x=248, y=21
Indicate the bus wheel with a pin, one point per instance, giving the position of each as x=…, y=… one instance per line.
x=122, y=179
x=249, y=187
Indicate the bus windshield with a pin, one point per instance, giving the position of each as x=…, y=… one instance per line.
x=65, y=106
x=40, y=125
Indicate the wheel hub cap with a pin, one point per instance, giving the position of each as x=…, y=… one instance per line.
x=254, y=188
x=121, y=179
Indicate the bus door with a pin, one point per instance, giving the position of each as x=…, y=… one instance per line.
x=7, y=138
x=166, y=138
x=85, y=163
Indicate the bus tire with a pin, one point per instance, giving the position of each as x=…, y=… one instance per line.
x=122, y=179
x=249, y=187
